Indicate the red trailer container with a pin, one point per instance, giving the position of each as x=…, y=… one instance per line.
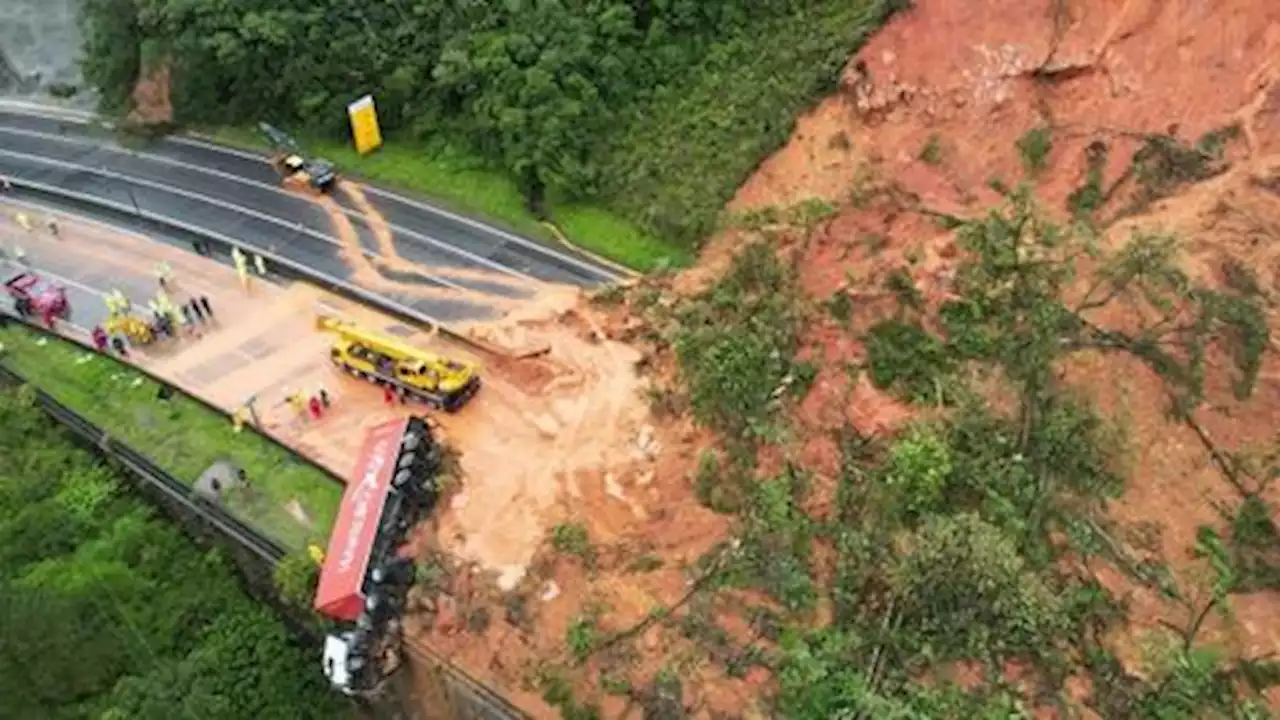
x=340, y=594
x=364, y=582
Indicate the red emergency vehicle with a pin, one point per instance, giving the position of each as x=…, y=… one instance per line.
x=34, y=295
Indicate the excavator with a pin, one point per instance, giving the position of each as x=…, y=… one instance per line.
x=297, y=171
x=410, y=372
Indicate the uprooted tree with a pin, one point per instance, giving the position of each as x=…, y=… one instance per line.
x=964, y=546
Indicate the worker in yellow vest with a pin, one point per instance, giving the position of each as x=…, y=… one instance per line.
x=164, y=274
x=242, y=267
x=123, y=304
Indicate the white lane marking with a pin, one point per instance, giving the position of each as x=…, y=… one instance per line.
x=427, y=207
x=509, y=237
x=447, y=247
x=369, y=298
x=19, y=107
x=216, y=147
x=297, y=227
x=71, y=282
x=111, y=227
x=45, y=111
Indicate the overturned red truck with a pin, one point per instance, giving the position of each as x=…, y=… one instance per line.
x=364, y=581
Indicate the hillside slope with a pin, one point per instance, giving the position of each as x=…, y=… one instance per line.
x=781, y=539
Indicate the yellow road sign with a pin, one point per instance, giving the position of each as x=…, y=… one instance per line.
x=364, y=125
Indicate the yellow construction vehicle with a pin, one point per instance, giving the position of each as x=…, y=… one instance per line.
x=409, y=371
x=137, y=330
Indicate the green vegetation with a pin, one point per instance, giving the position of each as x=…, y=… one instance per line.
x=573, y=539
x=581, y=637
x=1157, y=169
x=736, y=344
x=964, y=540
x=465, y=182
x=1035, y=146
x=931, y=151
x=108, y=612
x=655, y=112
x=179, y=434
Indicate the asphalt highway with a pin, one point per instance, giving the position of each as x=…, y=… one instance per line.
x=237, y=194
x=86, y=283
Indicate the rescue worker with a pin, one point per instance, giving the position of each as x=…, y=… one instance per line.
x=260, y=265
x=194, y=304
x=123, y=303
x=24, y=221
x=99, y=338
x=163, y=274
x=242, y=266
x=154, y=307
x=298, y=404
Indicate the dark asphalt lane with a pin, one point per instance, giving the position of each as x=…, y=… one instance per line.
x=267, y=202
x=85, y=290
x=532, y=256
x=422, y=222
x=317, y=254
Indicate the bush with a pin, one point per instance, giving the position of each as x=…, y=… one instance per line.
x=905, y=358
x=736, y=345
x=573, y=539
x=1035, y=146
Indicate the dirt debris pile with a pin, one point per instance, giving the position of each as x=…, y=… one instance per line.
x=584, y=507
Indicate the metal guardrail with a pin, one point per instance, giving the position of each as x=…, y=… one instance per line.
x=291, y=268
x=148, y=473
x=6, y=314
x=486, y=703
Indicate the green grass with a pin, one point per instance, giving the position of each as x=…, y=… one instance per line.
x=460, y=181
x=609, y=235
x=181, y=435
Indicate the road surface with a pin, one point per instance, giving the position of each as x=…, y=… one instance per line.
x=441, y=264
x=262, y=345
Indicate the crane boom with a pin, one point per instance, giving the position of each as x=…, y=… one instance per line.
x=390, y=346
x=393, y=363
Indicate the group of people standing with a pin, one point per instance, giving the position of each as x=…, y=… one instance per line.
x=168, y=320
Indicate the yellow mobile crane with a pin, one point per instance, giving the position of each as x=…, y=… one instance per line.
x=390, y=362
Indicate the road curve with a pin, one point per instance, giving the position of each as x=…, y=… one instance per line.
x=444, y=265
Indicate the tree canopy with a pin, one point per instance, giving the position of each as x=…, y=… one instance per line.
x=658, y=108
x=107, y=611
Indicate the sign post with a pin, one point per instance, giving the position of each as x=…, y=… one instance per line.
x=364, y=125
